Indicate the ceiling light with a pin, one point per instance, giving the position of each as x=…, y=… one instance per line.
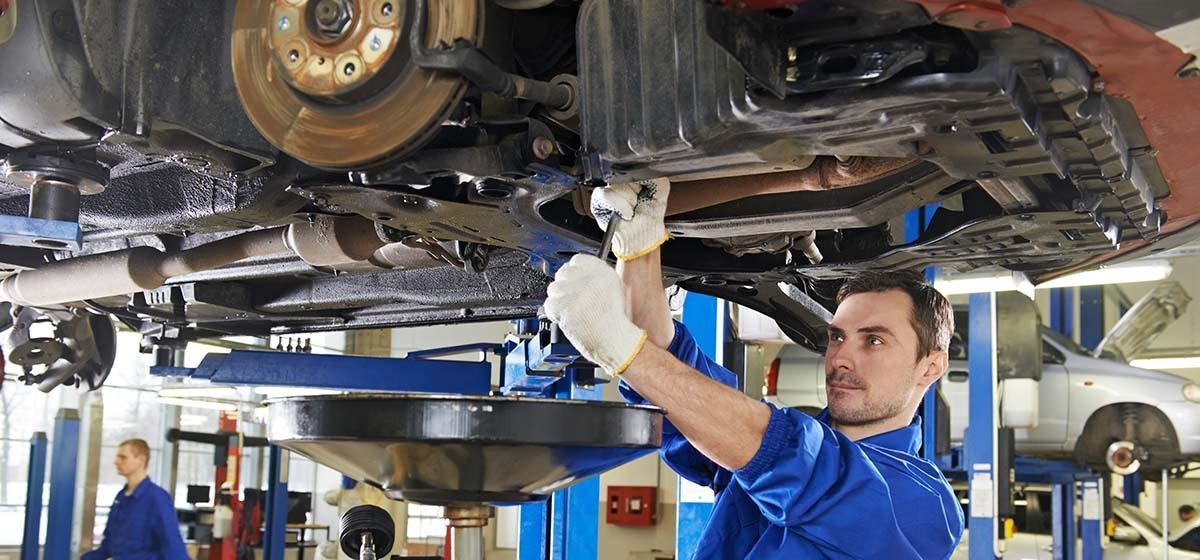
x=1191, y=362
x=1143, y=271
x=973, y=283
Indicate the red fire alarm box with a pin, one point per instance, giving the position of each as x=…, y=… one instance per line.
x=631, y=505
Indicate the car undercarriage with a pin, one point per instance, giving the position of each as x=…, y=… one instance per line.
x=335, y=164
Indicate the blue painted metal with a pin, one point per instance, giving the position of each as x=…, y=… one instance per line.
x=40, y=233
x=567, y=526
x=275, y=522
x=704, y=317
x=534, y=537
x=1063, y=524
x=534, y=366
x=929, y=423
x=1091, y=526
x=1133, y=489
x=1091, y=316
x=32, y=538
x=980, y=440
x=1062, y=311
x=60, y=512
x=484, y=347
x=415, y=375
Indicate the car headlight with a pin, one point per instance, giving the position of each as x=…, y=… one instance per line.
x=1191, y=392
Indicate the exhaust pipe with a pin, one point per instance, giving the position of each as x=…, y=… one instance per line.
x=338, y=242
x=131, y=270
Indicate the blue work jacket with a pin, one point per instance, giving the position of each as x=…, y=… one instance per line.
x=141, y=526
x=811, y=492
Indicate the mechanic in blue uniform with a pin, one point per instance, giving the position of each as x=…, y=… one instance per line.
x=846, y=484
x=141, y=524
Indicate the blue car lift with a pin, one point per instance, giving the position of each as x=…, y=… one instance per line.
x=32, y=536
x=976, y=461
x=537, y=363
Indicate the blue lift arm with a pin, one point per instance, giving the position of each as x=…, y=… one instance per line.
x=328, y=371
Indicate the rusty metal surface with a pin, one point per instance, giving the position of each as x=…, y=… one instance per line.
x=824, y=174
x=412, y=101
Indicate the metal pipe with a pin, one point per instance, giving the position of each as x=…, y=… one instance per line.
x=825, y=173
x=1166, y=541
x=466, y=543
x=130, y=270
x=366, y=551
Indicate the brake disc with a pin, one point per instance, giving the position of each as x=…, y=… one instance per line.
x=332, y=82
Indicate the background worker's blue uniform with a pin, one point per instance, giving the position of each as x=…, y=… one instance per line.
x=810, y=492
x=141, y=526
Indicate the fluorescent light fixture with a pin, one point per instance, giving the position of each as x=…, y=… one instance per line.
x=195, y=403
x=199, y=392
x=975, y=283
x=1129, y=273
x=1189, y=362
x=277, y=392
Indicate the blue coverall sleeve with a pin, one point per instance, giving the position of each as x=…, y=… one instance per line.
x=677, y=451
x=164, y=527
x=815, y=481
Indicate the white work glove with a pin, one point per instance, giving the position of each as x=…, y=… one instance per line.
x=642, y=207
x=587, y=302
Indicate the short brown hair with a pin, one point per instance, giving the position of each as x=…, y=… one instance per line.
x=138, y=446
x=932, y=315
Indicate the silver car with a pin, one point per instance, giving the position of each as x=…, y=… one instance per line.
x=1087, y=403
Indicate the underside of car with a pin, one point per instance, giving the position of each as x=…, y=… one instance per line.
x=256, y=167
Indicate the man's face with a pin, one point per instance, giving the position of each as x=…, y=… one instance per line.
x=1186, y=516
x=872, y=372
x=127, y=462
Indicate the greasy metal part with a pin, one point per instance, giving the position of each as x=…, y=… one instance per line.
x=130, y=270
x=334, y=241
x=330, y=48
x=1010, y=193
x=453, y=450
x=366, y=531
x=51, y=199
x=824, y=174
x=466, y=530
x=414, y=101
x=80, y=353
x=366, y=551
x=28, y=167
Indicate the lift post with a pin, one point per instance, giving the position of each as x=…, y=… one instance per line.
x=33, y=497
x=980, y=440
x=543, y=363
x=704, y=316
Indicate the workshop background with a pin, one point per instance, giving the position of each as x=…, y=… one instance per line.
x=129, y=406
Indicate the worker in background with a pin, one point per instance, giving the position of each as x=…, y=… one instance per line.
x=1191, y=539
x=846, y=484
x=142, y=522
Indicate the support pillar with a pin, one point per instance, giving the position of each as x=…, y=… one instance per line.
x=981, y=441
x=61, y=510
x=1091, y=528
x=32, y=538
x=275, y=518
x=1063, y=509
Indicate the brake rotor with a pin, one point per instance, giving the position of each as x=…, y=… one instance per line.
x=332, y=82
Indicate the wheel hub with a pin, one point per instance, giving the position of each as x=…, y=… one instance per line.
x=332, y=82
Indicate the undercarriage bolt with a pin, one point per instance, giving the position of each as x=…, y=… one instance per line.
x=333, y=17
x=542, y=147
